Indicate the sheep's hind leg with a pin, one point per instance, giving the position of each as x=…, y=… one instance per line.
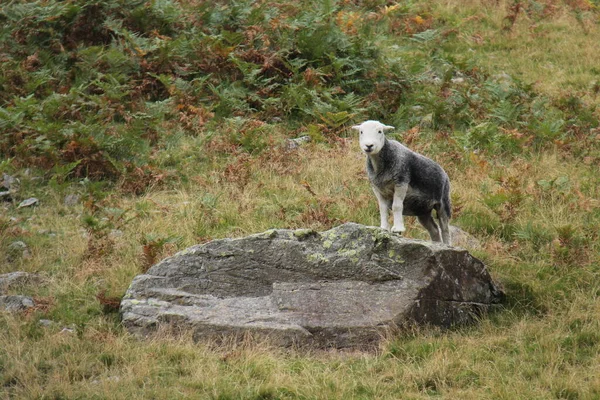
x=428, y=223
x=444, y=221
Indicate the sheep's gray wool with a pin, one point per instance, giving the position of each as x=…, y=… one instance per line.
x=405, y=182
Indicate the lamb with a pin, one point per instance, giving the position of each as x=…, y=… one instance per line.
x=405, y=182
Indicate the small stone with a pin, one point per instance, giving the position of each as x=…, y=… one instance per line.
x=16, y=303
x=115, y=233
x=8, y=182
x=16, y=279
x=426, y=121
x=109, y=379
x=503, y=77
x=66, y=331
x=292, y=144
x=17, y=245
x=46, y=322
x=16, y=250
x=32, y=201
x=71, y=199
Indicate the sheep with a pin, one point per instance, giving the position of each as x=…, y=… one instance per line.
x=405, y=182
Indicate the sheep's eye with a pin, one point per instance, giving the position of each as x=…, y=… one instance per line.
x=361, y=132
x=380, y=131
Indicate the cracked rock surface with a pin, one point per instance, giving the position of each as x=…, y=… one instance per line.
x=338, y=288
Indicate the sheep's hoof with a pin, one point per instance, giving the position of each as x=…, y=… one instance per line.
x=398, y=230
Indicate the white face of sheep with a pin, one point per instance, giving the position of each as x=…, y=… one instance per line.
x=372, y=136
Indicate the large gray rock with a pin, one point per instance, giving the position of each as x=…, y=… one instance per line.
x=339, y=288
x=464, y=239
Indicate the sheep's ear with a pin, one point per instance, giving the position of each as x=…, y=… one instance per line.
x=388, y=127
x=355, y=127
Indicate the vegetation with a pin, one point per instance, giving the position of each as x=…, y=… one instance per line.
x=168, y=120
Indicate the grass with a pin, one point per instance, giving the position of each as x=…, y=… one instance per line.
x=522, y=159
x=546, y=41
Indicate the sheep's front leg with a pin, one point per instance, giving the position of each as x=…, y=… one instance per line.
x=398, y=207
x=383, y=209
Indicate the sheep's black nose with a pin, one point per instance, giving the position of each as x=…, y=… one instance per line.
x=369, y=147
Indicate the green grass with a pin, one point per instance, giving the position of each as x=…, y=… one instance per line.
x=547, y=40
x=170, y=121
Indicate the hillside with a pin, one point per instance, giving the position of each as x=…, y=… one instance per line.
x=144, y=127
